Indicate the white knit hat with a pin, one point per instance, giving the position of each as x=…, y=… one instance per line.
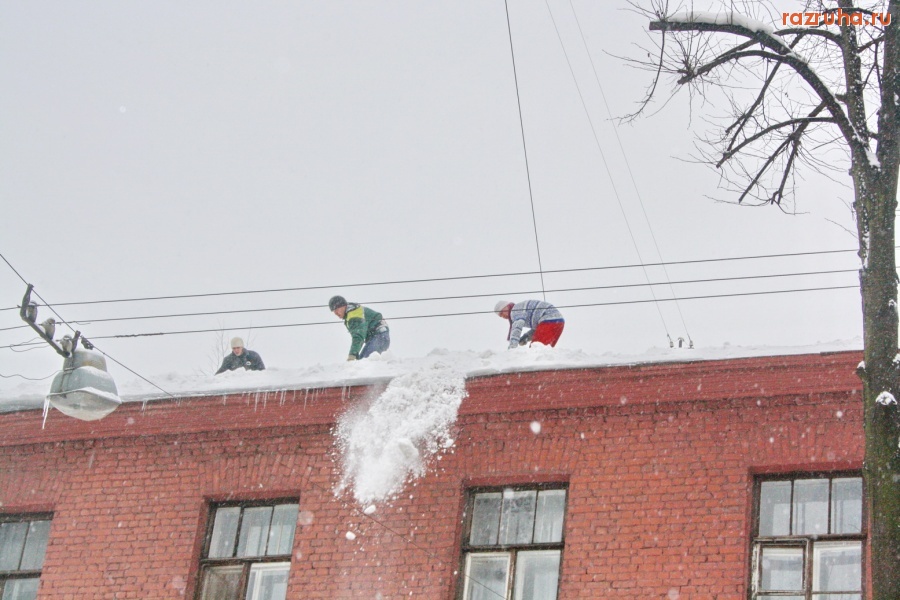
x=237, y=343
x=498, y=308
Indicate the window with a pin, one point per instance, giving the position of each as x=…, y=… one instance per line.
x=23, y=543
x=808, y=538
x=513, y=543
x=247, y=555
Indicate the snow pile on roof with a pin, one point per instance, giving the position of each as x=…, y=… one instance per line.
x=390, y=441
x=383, y=368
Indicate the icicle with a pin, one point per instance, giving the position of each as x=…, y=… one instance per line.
x=46, y=412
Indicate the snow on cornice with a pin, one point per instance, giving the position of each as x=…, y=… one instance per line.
x=381, y=369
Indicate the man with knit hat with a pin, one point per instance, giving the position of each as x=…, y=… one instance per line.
x=241, y=357
x=543, y=321
x=369, y=332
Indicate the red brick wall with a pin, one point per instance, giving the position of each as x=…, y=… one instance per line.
x=659, y=459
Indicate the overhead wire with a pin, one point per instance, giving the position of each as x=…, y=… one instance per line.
x=608, y=170
x=87, y=320
x=62, y=320
x=29, y=378
x=444, y=279
x=476, y=312
x=625, y=158
x=525, y=148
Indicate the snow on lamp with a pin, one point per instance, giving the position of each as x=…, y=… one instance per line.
x=84, y=389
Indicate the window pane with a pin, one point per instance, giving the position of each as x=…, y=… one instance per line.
x=222, y=583
x=780, y=597
x=551, y=506
x=517, y=521
x=486, y=576
x=775, y=508
x=12, y=540
x=837, y=596
x=846, y=505
x=281, y=535
x=537, y=575
x=224, y=532
x=782, y=569
x=837, y=567
x=35, y=546
x=810, y=506
x=268, y=581
x=254, y=531
x=21, y=589
x=485, y=519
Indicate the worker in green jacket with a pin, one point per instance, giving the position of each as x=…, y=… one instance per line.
x=368, y=329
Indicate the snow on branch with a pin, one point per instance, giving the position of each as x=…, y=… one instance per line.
x=728, y=18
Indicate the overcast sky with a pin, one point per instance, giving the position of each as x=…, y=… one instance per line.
x=172, y=148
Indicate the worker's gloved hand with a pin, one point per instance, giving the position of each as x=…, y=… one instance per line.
x=526, y=337
x=351, y=357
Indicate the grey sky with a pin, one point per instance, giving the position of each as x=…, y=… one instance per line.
x=179, y=148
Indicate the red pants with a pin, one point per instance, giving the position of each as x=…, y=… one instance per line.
x=548, y=332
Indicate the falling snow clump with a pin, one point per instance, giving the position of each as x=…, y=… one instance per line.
x=389, y=442
x=886, y=399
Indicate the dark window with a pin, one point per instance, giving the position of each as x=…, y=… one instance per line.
x=23, y=543
x=247, y=555
x=513, y=543
x=809, y=538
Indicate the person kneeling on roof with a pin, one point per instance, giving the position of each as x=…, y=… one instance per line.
x=543, y=321
x=368, y=330
x=241, y=357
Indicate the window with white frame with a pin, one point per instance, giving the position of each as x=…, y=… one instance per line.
x=809, y=538
x=513, y=543
x=23, y=543
x=247, y=554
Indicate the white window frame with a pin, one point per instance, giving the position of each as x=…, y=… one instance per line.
x=251, y=564
x=512, y=552
x=807, y=543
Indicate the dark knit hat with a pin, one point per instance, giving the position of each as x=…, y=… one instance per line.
x=336, y=302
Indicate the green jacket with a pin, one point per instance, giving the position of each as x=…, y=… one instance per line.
x=361, y=322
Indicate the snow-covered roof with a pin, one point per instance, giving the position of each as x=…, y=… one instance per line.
x=380, y=369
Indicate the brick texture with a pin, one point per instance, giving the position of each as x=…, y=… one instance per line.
x=659, y=460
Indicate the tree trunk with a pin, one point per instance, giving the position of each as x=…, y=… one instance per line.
x=881, y=473
x=876, y=205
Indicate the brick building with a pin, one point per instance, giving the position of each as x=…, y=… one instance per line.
x=714, y=479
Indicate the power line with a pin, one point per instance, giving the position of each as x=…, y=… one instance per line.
x=53, y=310
x=443, y=279
x=524, y=147
x=29, y=378
x=477, y=312
x=606, y=167
x=624, y=154
x=460, y=297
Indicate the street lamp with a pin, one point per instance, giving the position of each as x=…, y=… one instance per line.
x=83, y=389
